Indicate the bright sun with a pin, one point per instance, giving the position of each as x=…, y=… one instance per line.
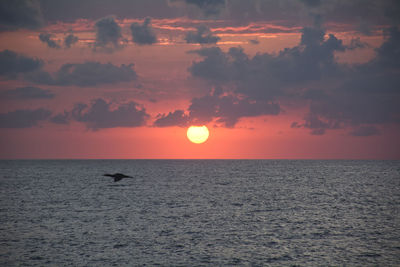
x=197, y=134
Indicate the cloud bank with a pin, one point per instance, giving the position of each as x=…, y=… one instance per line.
x=143, y=34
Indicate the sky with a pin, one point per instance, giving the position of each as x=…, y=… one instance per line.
x=124, y=79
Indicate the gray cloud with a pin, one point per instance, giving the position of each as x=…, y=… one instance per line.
x=254, y=41
x=365, y=131
x=12, y=64
x=101, y=114
x=47, y=39
x=85, y=74
x=108, y=34
x=176, y=118
x=203, y=35
x=23, y=118
x=17, y=14
x=367, y=99
x=143, y=34
x=368, y=95
x=28, y=92
x=69, y=40
x=356, y=43
x=339, y=96
x=27, y=14
x=209, y=7
x=388, y=54
x=71, y=10
x=265, y=75
x=61, y=118
x=311, y=3
x=392, y=11
x=226, y=110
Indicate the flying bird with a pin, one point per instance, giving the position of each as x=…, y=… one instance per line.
x=117, y=176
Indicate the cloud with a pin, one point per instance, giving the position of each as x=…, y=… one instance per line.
x=28, y=92
x=266, y=75
x=101, y=114
x=295, y=124
x=209, y=7
x=23, y=118
x=226, y=110
x=20, y=14
x=108, y=34
x=143, y=34
x=339, y=96
x=365, y=99
x=392, y=11
x=356, y=43
x=203, y=35
x=61, y=118
x=46, y=38
x=365, y=131
x=254, y=41
x=388, y=54
x=12, y=64
x=72, y=10
x=69, y=40
x=367, y=96
x=85, y=74
x=311, y=3
x=176, y=118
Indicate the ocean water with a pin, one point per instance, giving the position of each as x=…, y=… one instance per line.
x=200, y=213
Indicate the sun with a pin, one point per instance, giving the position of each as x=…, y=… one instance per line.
x=197, y=134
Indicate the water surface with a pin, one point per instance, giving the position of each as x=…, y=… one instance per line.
x=200, y=213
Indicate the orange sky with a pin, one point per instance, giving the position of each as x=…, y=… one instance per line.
x=165, y=84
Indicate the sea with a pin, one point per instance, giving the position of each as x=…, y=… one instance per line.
x=200, y=213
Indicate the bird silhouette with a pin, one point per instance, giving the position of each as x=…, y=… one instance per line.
x=117, y=176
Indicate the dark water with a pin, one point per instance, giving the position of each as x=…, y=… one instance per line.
x=200, y=213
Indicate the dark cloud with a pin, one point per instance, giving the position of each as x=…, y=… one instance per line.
x=176, y=118
x=71, y=10
x=61, y=118
x=339, y=96
x=266, y=75
x=295, y=124
x=254, y=41
x=228, y=109
x=365, y=131
x=311, y=3
x=209, y=7
x=12, y=64
x=356, y=43
x=23, y=118
x=367, y=99
x=47, y=39
x=369, y=94
x=143, y=34
x=215, y=66
x=364, y=27
x=101, y=114
x=392, y=11
x=85, y=74
x=203, y=35
x=225, y=110
x=17, y=14
x=69, y=40
x=108, y=34
x=28, y=92
x=388, y=54
x=27, y=13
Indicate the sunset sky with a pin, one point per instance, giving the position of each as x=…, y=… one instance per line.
x=295, y=79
